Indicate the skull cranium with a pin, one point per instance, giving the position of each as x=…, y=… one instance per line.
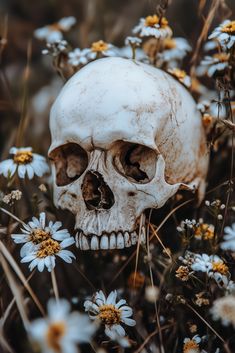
x=125, y=137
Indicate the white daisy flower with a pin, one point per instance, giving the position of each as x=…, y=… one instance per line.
x=202, y=263
x=211, y=64
x=44, y=254
x=181, y=76
x=36, y=231
x=54, y=32
x=213, y=265
x=110, y=313
x=62, y=330
x=153, y=26
x=78, y=57
x=229, y=237
x=191, y=345
x=174, y=50
x=225, y=34
x=99, y=49
x=133, y=41
x=25, y=162
x=210, y=45
x=224, y=309
x=219, y=270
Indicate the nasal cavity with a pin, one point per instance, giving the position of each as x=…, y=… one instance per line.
x=96, y=193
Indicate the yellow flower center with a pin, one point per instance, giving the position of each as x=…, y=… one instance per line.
x=220, y=267
x=229, y=28
x=54, y=334
x=180, y=74
x=99, y=46
x=109, y=315
x=222, y=57
x=151, y=21
x=204, y=230
x=207, y=120
x=190, y=345
x=169, y=43
x=23, y=157
x=48, y=247
x=39, y=235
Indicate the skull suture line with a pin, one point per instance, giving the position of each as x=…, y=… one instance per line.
x=125, y=137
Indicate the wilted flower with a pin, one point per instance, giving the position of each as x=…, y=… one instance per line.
x=61, y=330
x=201, y=300
x=153, y=26
x=225, y=34
x=110, y=313
x=15, y=195
x=182, y=273
x=25, y=162
x=204, y=231
x=192, y=345
x=78, y=57
x=36, y=231
x=181, y=76
x=152, y=293
x=211, y=64
x=229, y=237
x=53, y=33
x=224, y=309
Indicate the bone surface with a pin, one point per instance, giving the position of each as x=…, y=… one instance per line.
x=125, y=137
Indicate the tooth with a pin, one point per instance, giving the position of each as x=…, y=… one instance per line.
x=84, y=243
x=104, y=242
x=94, y=243
x=80, y=240
x=127, y=239
x=133, y=238
x=77, y=241
x=112, y=241
x=120, y=241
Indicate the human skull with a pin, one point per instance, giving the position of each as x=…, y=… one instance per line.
x=125, y=137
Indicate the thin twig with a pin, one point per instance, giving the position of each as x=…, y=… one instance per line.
x=54, y=285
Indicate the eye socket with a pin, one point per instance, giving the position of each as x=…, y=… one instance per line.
x=136, y=162
x=70, y=160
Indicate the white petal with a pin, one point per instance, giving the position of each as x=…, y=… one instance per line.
x=7, y=167
x=30, y=171
x=21, y=171
x=20, y=238
x=112, y=297
x=67, y=242
x=58, y=310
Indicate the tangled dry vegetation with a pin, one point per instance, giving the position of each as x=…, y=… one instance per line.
x=176, y=293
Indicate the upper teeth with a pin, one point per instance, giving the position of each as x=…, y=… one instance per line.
x=114, y=240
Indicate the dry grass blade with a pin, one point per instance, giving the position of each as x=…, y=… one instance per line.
x=24, y=116
x=211, y=14
x=10, y=306
x=11, y=215
x=16, y=292
x=4, y=344
x=54, y=284
x=21, y=276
